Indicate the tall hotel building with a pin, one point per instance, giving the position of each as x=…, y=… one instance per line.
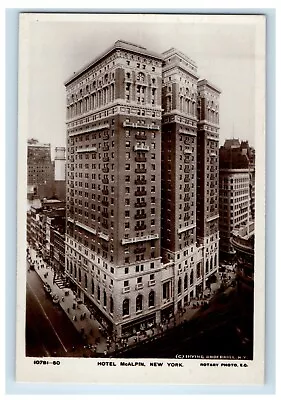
x=190, y=138
x=117, y=162
x=207, y=218
x=113, y=185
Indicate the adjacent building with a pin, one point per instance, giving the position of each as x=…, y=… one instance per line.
x=40, y=172
x=142, y=143
x=207, y=218
x=59, y=173
x=237, y=176
x=41, y=220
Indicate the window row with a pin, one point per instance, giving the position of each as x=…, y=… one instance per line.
x=126, y=307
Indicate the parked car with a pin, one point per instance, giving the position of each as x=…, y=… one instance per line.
x=47, y=288
x=56, y=299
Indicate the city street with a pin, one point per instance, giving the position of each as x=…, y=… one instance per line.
x=49, y=332
x=224, y=329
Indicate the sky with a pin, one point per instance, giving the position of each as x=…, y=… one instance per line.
x=224, y=49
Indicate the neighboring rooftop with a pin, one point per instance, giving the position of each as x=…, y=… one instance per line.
x=173, y=51
x=35, y=143
x=231, y=143
x=203, y=81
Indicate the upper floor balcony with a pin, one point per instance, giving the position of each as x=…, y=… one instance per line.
x=141, y=147
x=87, y=150
x=141, y=126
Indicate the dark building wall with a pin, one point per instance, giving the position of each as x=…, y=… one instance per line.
x=168, y=183
x=200, y=225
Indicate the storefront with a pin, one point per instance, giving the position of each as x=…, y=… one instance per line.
x=167, y=313
x=98, y=314
x=138, y=325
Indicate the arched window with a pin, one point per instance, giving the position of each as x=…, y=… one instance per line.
x=179, y=286
x=79, y=274
x=207, y=267
x=75, y=272
x=215, y=260
x=211, y=264
x=185, y=282
x=140, y=77
x=191, y=278
x=151, y=299
x=86, y=281
x=93, y=287
x=126, y=307
x=111, y=305
x=139, y=303
x=98, y=293
x=104, y=298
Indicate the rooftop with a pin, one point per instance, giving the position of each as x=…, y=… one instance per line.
x=119, y=44
x=173, y=51
x=202, y=82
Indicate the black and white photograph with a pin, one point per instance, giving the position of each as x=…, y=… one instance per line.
x=141, y=198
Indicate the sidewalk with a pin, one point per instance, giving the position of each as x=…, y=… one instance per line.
x=92, y=330
x=79, y=315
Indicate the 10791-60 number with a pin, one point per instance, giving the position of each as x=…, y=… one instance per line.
x=45, y=362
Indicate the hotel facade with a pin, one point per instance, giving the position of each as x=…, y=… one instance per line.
x=139, y=242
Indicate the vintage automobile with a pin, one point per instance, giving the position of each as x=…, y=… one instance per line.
x=55, y=299
x=47, y=288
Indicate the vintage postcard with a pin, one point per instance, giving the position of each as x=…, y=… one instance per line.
x=141, y=199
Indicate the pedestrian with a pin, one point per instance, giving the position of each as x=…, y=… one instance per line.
x=62, y=299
